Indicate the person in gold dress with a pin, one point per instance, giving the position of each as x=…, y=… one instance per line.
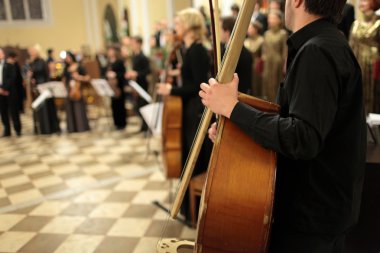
x=365, y=43
x=254, y=43
x=274, y=54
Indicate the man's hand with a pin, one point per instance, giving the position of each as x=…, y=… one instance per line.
x=164, y=89
x=110, y=74
x=4, y=92
x=212, y=132
x=220, y=98
x=131, y=74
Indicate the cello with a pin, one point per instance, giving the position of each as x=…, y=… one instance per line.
x=236, y=205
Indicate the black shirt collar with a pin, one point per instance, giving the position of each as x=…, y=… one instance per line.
x=297, y=39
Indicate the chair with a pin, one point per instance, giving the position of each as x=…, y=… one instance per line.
x=196, y=187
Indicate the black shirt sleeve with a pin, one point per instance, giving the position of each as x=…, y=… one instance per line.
x=312, y=108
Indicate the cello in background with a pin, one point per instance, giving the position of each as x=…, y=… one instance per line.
x=172, y=121
x=237, y=201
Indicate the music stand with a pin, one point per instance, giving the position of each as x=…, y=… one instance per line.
x=57, y=89
x=104, y=90
x=152, y=114
x=373, y=119
x=41, y=99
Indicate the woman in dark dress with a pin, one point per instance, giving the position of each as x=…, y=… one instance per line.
x=45, y=116
x=190, y=25
x=115, y=77
x=76, y=114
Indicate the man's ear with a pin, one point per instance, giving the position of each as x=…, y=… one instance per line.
x=298, y=3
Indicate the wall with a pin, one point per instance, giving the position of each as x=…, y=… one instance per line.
x=181, y=4
x=66, y=31
x=78, y=22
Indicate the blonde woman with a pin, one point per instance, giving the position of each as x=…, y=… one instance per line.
x=45, y=116
x=190, y=26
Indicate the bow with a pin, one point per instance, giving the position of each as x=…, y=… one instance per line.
x=225, y=75
x=215, y=18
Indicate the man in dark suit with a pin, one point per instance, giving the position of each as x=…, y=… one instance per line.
x=244, y=65
x=348, y=17
x=8, y=97
x=21, y=93
x=141, y=69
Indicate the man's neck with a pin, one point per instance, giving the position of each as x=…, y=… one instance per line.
x=304, y=21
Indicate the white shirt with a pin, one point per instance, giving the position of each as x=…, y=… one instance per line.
x=1, y=72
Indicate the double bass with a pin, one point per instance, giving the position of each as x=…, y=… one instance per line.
x=172, y=122
x=237, y=200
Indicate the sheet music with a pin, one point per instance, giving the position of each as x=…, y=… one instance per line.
x=41, y=98
x=102, y=87
x=56, y=88
x=142, y=93
x=152, y=115
x=373, y=119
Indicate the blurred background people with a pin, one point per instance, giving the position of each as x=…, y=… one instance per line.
x=115, y=77
x=73, y=76
x=9, y=108
x=19, y=82
x=254, y=43
x=274, y=54
x=348, y=17
x=235, y=8
x=45, y=116
x=244, y=65
x=365, y=43
x=140, y=71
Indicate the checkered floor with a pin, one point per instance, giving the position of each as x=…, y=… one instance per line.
x=87, y=192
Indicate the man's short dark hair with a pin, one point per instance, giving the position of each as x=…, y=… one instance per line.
x=329, y=9
x=12, y=54
x=235, y=7
x=138, y=39
x=228, y=23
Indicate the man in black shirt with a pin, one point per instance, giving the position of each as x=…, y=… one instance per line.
x=320, y=134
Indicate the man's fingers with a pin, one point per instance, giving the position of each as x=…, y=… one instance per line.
x=212, y=132
x=235, y=80
x=202, y=94
x=211, y=135
x=205, y=87
x=212, y=81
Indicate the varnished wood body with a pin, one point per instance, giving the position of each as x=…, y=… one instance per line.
x=172, y=136
x=236, y=207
